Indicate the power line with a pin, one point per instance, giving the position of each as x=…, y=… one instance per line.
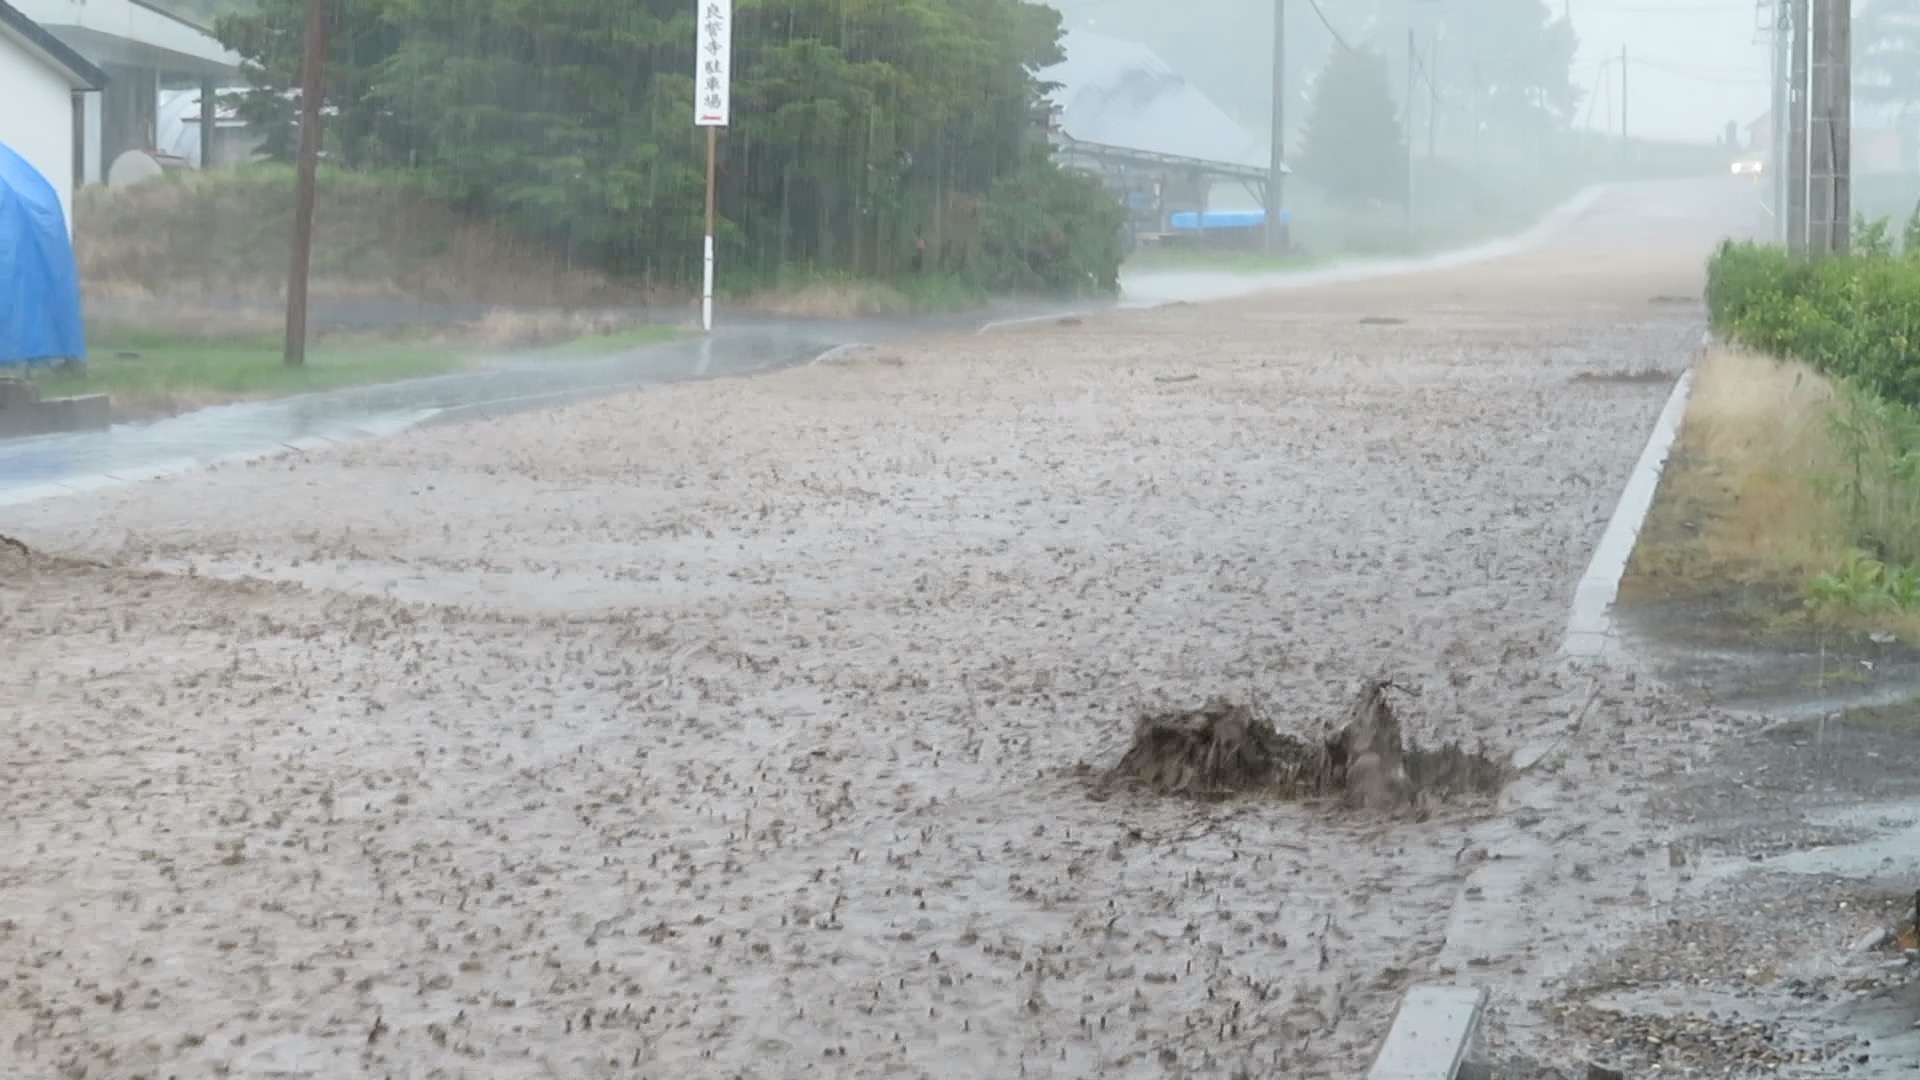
x=1342, y=42
x=1727, y=76
x=1724, y=78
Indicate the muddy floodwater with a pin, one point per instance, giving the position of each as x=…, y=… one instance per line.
x=744, y=728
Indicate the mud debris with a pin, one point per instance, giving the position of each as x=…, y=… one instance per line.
x=1225, y=748
x=1646, y=376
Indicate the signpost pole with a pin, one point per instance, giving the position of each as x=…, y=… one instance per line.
x=712, y=104
x=706, y=272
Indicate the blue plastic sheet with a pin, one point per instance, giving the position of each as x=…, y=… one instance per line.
x=39, y=284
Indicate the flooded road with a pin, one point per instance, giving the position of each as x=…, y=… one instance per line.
x=743, y=727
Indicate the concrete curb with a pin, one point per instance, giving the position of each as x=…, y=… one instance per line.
x=1590, y=630
x=1432, y=1033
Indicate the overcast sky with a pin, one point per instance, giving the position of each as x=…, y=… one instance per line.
x=1692, y=65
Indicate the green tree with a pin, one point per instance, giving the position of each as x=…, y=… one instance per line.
x=360, y=39
x=1509, y=63
x=856, y=122
x=1353, y=144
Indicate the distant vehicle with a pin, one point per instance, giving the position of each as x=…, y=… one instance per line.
x=1748, y=168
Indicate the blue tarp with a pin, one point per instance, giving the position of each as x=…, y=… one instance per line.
x=1225, y=219
x=39, y=284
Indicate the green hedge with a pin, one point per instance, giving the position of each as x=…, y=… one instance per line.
x=1853, y=317
x=1856, y=319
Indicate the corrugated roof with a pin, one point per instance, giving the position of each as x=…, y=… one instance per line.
x=1119, y=93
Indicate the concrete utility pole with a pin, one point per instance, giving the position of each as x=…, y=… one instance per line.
x=1776, y=164
x=1838, y=40
x=296, y=348
x=1623, y=96
x=1433, y=96
x=1797, y=106
x=1821, y=131
x=1413, y=62
x=1276, y=150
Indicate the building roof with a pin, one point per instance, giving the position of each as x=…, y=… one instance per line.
x=80, y=73
x=1121, y=94
x=134, y=33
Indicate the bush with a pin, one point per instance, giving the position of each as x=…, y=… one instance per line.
x=1854, y=317
x=1044, y=229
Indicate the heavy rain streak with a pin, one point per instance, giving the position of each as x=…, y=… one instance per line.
x=959, y=538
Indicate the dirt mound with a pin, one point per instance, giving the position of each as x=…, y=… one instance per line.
x=15, y=556
x=1225, y=749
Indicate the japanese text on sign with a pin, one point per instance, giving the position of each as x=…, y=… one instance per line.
x=713, y=64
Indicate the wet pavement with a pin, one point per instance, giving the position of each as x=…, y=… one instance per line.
x=49, y=466
x=618, y=697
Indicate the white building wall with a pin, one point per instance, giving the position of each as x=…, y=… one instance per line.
x=37, y=120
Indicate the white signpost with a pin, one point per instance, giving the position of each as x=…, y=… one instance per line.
x=712, y=106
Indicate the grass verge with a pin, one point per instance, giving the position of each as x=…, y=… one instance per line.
x=1774, y=504
x=812, y=295
x=152, y=372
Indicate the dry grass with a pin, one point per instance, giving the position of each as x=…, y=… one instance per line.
x=571, y=331
x=1753, y=504
x=225, y=234
x=832, y=297
x=832, y=300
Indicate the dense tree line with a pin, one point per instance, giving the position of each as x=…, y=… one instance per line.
x=862, y=129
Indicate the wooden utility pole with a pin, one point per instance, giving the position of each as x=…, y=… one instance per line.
x=1277, y=136
x=296, y=346
x=1798, y=101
